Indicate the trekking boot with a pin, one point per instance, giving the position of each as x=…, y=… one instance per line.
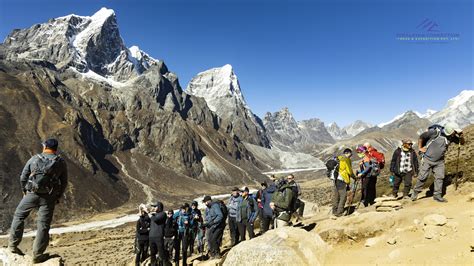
x=440, y=199
x=414, y=196
x=41, y=258
x=16, y=250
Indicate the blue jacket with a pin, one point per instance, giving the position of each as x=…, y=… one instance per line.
x=180, y=220
x=251, y=209
x=214, y=216
x=233, y=205
x=266, y=199
x=365, y=169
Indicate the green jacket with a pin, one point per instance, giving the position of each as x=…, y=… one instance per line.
x=282, y=198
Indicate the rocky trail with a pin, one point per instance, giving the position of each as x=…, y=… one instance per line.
x=421, y=232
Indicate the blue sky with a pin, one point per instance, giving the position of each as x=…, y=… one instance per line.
x=335, y=60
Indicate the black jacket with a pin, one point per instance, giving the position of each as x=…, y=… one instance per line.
x=158, y=221
x=171, y=227
x=143, y=227
x=395, y=164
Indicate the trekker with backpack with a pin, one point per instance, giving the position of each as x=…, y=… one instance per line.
x=340, y=171
x=298, y=204
x=281, y=203
x=247, y=213
x=171, y=232
x=142, y=235
x=43, y=182
x=156, y=236
x=404, y=167
x=433, y=145
x=215, y=223
x=232, y=207
x=267, y=212
x=368, y=172
x=184, y=221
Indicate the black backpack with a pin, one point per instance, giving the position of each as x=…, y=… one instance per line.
x=224, y=210
x=44, y=178
x=332, y=168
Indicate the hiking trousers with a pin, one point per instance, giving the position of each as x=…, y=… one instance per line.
x=407, y=180
x=215, y=236
x=369, y=190
x=181, y=247
x=245, y=226
x=44, y=203
x=157, y=247
x=234, y=231
x=142, y=252
x=169, y=245
x=425, y=170
x=266, y=222
x=339, y=197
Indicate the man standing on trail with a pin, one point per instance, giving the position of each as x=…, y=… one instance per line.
x=43, y=181
x=232, y=206
x=247, y=213
x=342, y=182
x=215, y=223
x=433, y=145
x=404, y=167
x=157, y=234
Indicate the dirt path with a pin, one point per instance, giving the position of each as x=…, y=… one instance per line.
x=146, y=188
x=452, y=246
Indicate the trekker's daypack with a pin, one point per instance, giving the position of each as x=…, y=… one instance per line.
x=379, y=158
x=332, y=168
x=279, y=197
x=43, y=177
x=224, y=210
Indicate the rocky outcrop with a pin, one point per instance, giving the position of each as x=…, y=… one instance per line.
x=89, y=44
x=10, y=259
x=287, y=134
x=336, y=132
x=283, y=246
x=220, y=88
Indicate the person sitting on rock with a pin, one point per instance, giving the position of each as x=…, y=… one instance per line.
x=404, y=167
x=433, y=145
x=142, y=234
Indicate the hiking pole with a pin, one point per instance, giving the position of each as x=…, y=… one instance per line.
x=457, y=167
x=352, y=197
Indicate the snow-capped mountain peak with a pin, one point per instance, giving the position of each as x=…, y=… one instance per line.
x=357, y=127
x=427, y=114
x=83, y=43
x=221, y=89
x=459, y=110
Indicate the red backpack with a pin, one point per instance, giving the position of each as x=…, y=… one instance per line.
x=373, y=153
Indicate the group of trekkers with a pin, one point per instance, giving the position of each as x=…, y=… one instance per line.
x=44, y=180
x=404, y=166
x=176, y=232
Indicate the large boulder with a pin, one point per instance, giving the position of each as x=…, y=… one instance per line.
x=9, y=259
x=435, y=219
x=282, y=246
